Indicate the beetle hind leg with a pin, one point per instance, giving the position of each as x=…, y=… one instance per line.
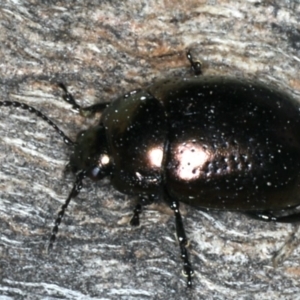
x=268, y=216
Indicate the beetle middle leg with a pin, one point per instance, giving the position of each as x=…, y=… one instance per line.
x=182, y=239
x=195, y=64
x=84, y=111
x=268, y=216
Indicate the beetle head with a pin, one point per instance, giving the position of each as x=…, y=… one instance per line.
x=90, y=154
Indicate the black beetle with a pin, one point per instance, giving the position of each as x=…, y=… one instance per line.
x=211, y=142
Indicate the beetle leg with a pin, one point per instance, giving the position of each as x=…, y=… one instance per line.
x=91, y=110
x=74, y=192
x=183, y=242
x=135, y=220
x=84, y=111
x=195, y=64
x=270, y=217
x=142, y=201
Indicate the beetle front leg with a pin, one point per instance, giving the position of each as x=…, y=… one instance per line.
x=84, y=111
x=142, y=201
x=183, y=242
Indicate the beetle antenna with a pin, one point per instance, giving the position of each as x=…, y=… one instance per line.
x=74, y=192
x=31, y=109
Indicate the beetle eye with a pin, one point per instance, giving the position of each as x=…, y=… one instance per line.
x=102, y=169
x=95, y=172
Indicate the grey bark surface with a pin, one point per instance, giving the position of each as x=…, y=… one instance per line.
x=102, y=49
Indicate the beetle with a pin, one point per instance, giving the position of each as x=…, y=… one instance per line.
x=211, y=142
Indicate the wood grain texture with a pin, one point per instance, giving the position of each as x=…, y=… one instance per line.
x=102, y=49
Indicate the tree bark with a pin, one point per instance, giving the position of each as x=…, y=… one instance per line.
x=100, y=50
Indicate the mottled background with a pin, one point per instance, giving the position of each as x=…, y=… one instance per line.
x=101, y=49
